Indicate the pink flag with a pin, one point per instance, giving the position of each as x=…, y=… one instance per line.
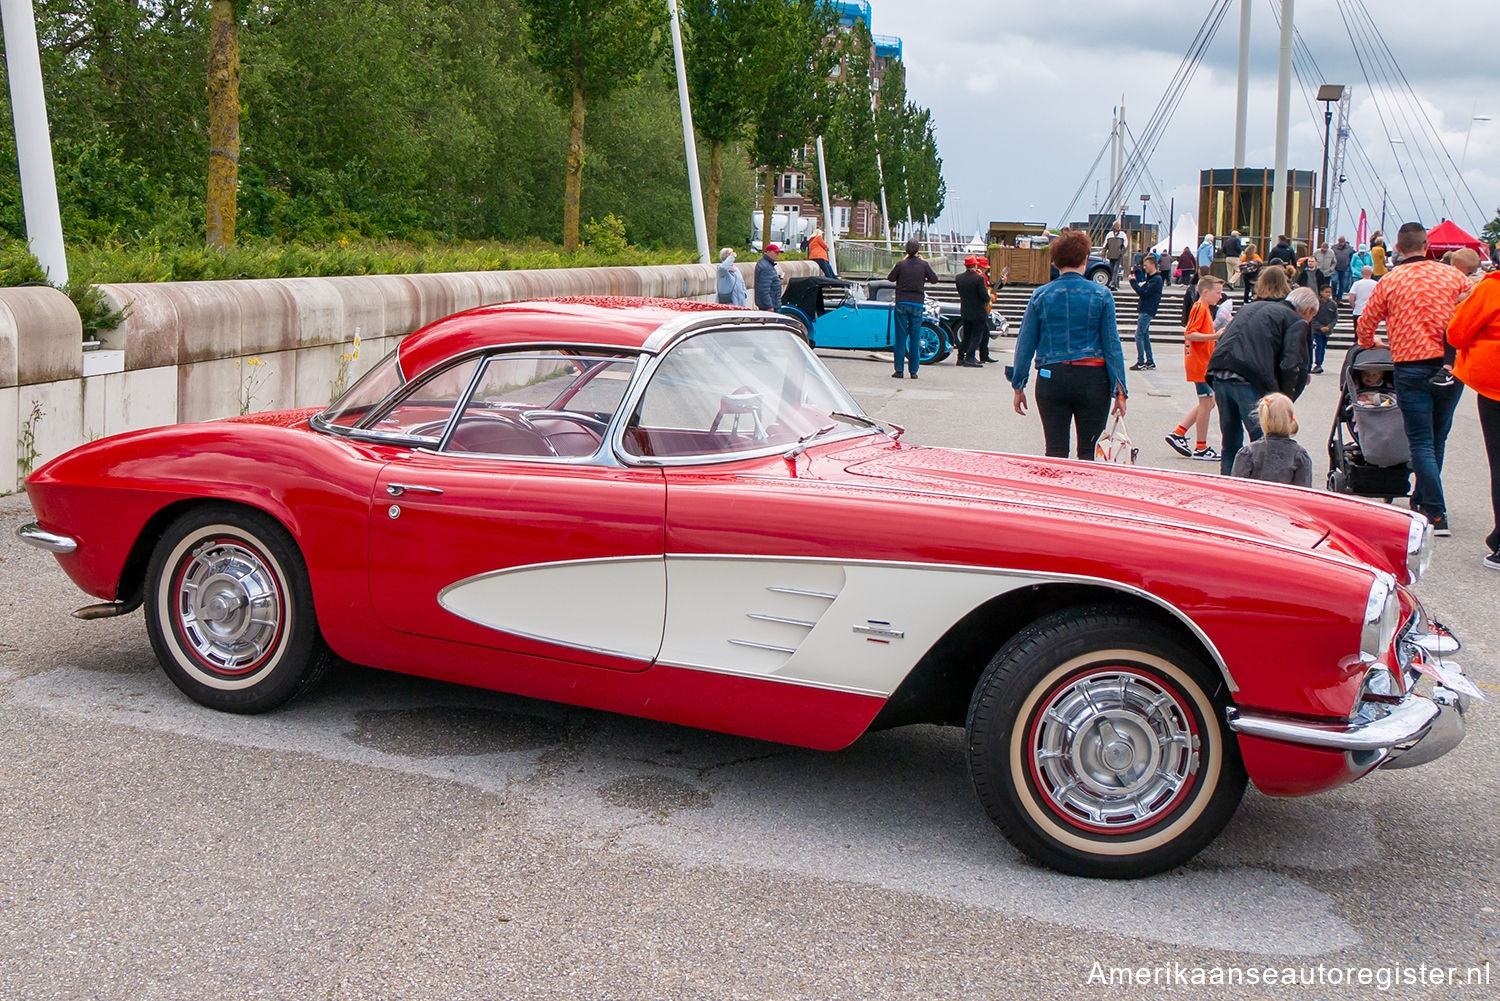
x=1361, y=233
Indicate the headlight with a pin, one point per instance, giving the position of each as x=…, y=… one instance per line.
x=1382, y=612
x=1418, y=547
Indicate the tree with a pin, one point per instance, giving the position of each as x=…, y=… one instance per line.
x=788, y=108
x=223, y=122
x=726, y=63
x=849, y=129
x=586, y=49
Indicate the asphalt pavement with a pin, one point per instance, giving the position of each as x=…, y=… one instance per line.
x=387, y=837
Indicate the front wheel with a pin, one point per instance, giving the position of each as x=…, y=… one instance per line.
x=230, y=613
x=932, y=344
x=1101, y=276
x=1099, y=746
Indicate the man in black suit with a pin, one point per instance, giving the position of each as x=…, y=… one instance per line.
x=973, y=311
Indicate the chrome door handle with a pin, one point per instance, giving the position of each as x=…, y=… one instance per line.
x=397, y=489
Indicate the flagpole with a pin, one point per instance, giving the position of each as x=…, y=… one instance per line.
x=690, y=147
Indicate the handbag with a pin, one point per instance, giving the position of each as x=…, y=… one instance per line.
x=1114, y=445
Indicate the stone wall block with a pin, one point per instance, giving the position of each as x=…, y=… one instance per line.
x=318, y=370
x=149, y=334
x=47, y=332
x=209, y=318
x=442, y=295
x=61, y=426
x=145, y=398
x=319, y=309
x=207, y=390
x=10, y=478
x=9, y=338
x=268, y=317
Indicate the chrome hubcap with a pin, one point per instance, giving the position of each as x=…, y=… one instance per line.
x=1113, y=750
x=229, y=606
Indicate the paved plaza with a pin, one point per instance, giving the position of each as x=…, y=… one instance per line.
x=388, y=837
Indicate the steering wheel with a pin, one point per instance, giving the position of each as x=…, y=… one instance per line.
x=505, y=418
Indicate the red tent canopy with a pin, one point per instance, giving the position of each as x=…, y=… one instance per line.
x=1448, y=235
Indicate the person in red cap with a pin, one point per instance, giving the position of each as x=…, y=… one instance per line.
x=993, y=285
x=974, y=306
x=767, y=280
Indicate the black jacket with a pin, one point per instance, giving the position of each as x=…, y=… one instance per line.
x=1282, y=252
x=1231, y=246
x=1328, y=316
x=910, y=275
x=973, y=298
x=1147, y=289
x=1266, y=345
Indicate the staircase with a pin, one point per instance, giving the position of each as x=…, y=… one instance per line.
x=1166, y=326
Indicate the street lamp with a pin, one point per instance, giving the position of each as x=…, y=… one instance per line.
x=1327, y=94
x=1145, y=199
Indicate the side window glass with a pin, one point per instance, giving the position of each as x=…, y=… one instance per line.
x=423, y=413
x=542, y=404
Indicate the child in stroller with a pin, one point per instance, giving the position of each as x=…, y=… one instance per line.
x=1367, y=448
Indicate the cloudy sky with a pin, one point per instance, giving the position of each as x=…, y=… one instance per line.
x=1023, y=92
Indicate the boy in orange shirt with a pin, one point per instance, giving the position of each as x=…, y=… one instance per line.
x=1198, y=338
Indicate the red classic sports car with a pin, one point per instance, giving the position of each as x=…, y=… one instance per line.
x=675, y=511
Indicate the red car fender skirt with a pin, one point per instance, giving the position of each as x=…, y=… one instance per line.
x=1280, y=769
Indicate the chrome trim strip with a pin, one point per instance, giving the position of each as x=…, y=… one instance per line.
x=1114, y=585
x=783, y=620
x=1409, y=720
x=800, y=592
x=33, y=535
x=765, y=646
x=848, y=689
x=881, y=630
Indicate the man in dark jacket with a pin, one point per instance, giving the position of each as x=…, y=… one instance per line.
x=973, y=311
x=1282, y=253
x=767, y=280
x=1263, y=350
x=1147, y=284
x=1343, y=280
x=911, y=274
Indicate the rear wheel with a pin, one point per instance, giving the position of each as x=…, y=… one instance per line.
x=1100, y=276
x=1099, y=746
x=230, y=613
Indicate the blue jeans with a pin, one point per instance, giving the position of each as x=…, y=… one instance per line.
x=908, y=330
x=1320, y=349
x=1143, y=339
x=1237, y=416
x=1343, y=281
x=825, y=266
x=1427, y=414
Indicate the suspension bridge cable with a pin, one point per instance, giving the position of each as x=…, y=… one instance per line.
x=1085, y=183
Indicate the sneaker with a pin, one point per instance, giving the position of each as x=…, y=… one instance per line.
x=1440, y=525
x=897, y=375
x=912, y=376
x=1150, y=366
x=1493, y=560
x=1207, y=453
x=1442, y=379
x=1180, y=445
x=1137, y=366
x=1317, y=370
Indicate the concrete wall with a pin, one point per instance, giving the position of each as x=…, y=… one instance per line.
x=194, y=351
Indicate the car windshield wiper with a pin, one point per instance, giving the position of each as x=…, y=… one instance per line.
x=894, y=430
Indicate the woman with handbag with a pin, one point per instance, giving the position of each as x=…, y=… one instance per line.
x=1071, y=332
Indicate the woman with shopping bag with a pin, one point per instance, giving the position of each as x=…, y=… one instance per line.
x=1070, y=331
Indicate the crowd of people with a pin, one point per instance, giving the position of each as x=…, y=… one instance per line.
x=1440, y=320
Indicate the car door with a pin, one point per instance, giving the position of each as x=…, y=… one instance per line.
x=515, y=548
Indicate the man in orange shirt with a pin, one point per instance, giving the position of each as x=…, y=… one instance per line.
x=1475, y=332
x=1199, y=338
x=1416, y=299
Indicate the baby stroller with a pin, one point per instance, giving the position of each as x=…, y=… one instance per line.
x=1368, y=454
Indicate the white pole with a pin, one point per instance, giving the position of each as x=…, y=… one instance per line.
x=33, y=141
x=690, y=145
x=1283, y=123
x=1114, y=157
x=830, y=231
x=1242, y=102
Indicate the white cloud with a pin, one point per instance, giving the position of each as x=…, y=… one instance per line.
x=1022, y=94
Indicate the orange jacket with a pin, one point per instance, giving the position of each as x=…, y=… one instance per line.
x=1475, y=331
x=817, y=249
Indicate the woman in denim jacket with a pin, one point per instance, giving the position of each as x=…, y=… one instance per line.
x=1070, y=330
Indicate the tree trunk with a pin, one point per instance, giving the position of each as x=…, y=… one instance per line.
x=574, y=188
x=223, y=122
x=711, y=196
x=767, y=205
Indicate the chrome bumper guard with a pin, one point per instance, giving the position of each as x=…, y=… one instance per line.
x=1402, y=733
x=32, y=535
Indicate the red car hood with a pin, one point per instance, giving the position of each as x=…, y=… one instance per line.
x=1196, y=502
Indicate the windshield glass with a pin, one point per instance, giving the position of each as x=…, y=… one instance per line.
x=374, y=386
x=728, y=391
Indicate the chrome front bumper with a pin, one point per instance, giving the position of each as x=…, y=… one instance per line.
x=1401, y=733
x=32, y=535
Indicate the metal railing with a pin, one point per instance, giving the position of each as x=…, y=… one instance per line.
x=861, y=257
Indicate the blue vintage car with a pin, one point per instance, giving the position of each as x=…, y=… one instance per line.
x=836, y=315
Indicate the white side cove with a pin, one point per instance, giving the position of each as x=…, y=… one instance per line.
x=857, y=627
